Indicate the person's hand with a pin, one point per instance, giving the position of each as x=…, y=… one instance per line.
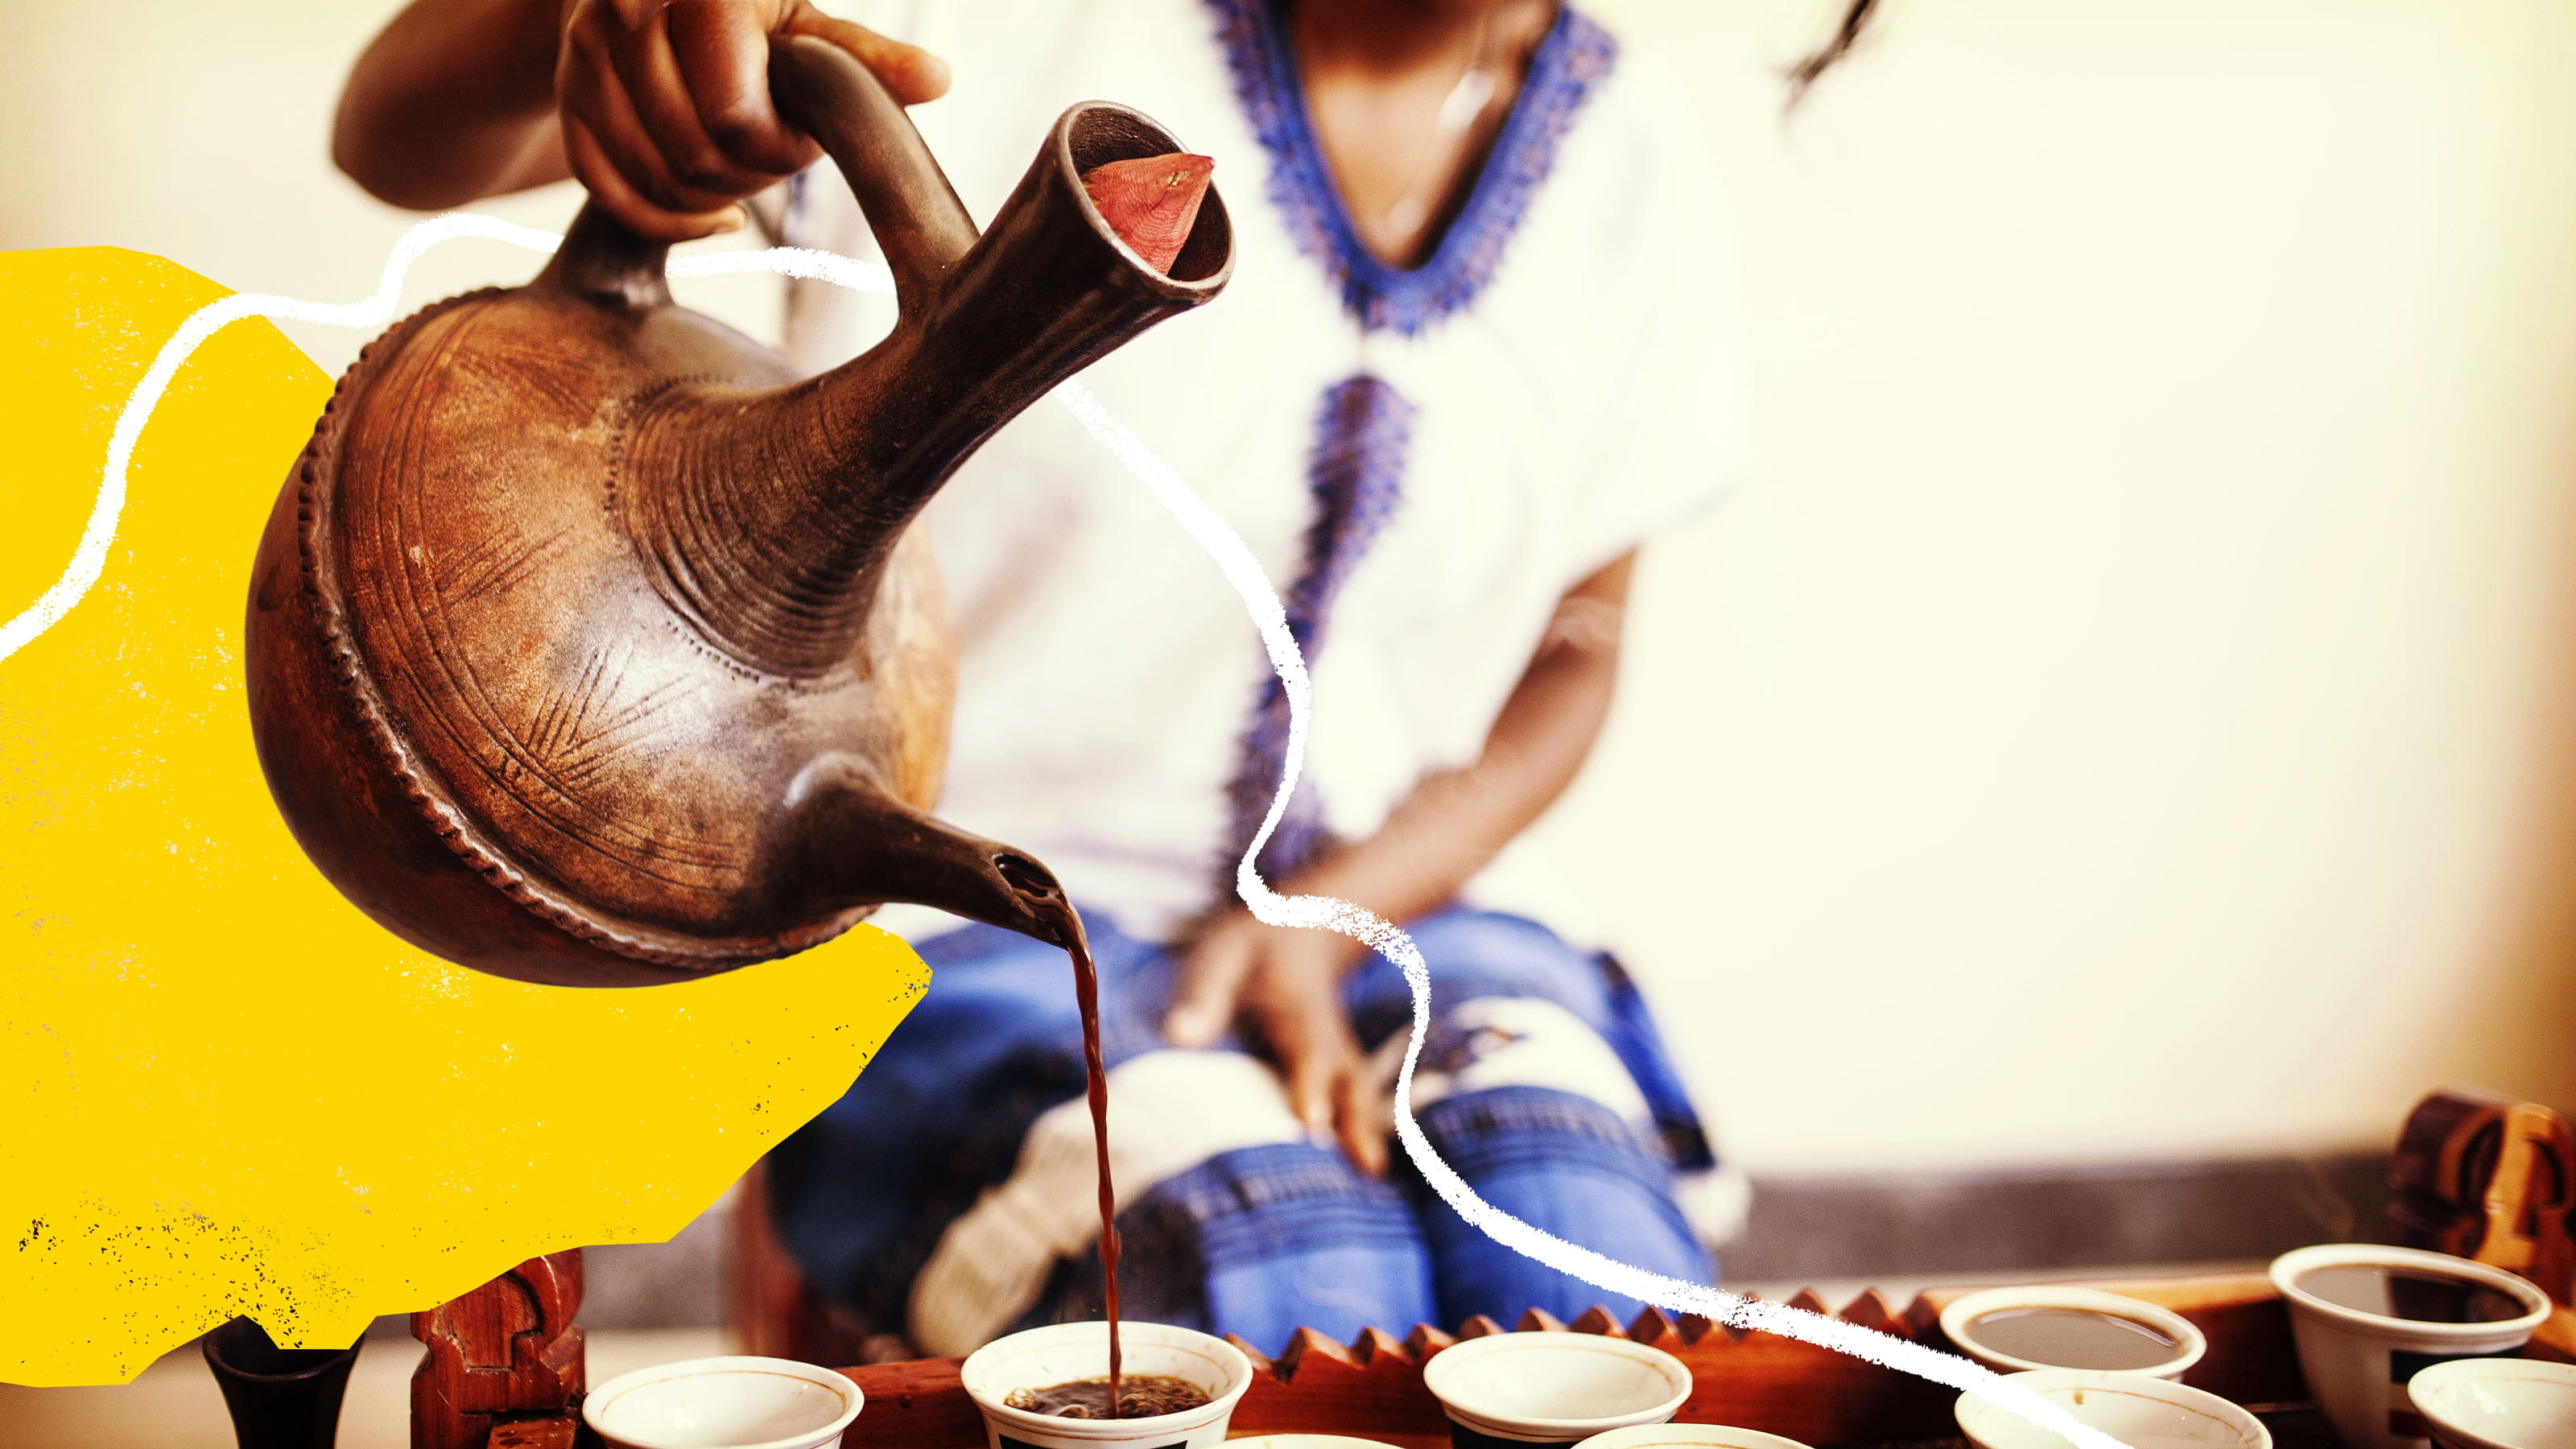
x=1284, y=985
x=665, y=103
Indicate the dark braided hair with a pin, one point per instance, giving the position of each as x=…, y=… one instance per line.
x=1845, y=36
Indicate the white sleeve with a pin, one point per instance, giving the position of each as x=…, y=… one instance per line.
x=1676, y=434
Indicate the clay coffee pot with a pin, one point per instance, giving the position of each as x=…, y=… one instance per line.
x=587, y=643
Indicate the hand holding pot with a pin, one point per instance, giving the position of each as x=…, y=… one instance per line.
x=661, y=107
x=666, y=110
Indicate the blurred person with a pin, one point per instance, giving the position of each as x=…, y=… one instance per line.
x=1477, y=348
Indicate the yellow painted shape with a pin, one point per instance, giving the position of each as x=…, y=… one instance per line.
x=223, y=1090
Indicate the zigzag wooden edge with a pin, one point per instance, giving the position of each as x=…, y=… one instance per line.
x=1311, y=1351
x=1597, y=1319
x=2228, y=1307
x=1372, y=1386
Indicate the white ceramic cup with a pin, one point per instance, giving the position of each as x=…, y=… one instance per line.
x=1688, y=1436
x=1551, y=1389
x=2357, y=1363
x=723, y=1403
x=2131, y=1408
x=1042, y=1358
x=2497, y=1403
x=1959, y=1321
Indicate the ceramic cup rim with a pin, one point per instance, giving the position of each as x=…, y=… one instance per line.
x=2442, y=1374
x=1971, y=1411
x=1273, y=1441
x=2189, y=1342
x=595, y=1403
x=2286, y=1268
x=1448, y=1362
x=1641, y=1436
x=1238, y=1370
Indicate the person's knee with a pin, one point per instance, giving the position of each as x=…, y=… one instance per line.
x=1473, y=956
x=1517, y=1130
x=1286, y=1236
x=1501, y=1041
x=1566, y=1165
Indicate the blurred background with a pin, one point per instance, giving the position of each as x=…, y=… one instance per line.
x=2120, y=751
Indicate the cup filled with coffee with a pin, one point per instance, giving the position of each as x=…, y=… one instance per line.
x=1050, y=1388
x=2368, y=1318
x=2011, y=1330
x=1551, y=1390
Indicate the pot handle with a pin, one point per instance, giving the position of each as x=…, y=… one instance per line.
x=920, y=224
x=825, y=92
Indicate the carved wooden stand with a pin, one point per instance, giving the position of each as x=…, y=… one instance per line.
x=504, y=1367
x=2481, y=1175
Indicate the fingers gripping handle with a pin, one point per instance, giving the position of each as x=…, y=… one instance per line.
x=920, y=224
x=825, y=92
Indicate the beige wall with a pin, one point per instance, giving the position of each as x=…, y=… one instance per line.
x=199, y=129
x=2130, y=713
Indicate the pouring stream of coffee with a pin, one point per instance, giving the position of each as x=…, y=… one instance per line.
x=1086, y=993
x=1151, y=204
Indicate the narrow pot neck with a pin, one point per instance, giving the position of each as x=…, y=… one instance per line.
x=768, y=518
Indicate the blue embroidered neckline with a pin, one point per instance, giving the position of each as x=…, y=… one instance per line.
x=1572, y=61
x=1356, y=476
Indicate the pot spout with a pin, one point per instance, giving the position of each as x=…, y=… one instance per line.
x=768, y=517
x=848, y=842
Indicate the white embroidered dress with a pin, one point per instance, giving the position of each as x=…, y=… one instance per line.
x=1569, y=363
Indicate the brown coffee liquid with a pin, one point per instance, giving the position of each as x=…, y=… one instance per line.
x=2077, y=1338
x=2409, y=1293
x=1086, y=995
x=1144, y=1396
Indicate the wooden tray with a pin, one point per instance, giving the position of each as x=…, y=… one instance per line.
x=1373, y=1387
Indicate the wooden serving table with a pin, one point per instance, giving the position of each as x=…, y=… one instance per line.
x=504, y=1372
x=1373, y=1388
x=2478, y=1174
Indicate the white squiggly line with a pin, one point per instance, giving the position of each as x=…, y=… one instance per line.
x=1261, y=601
x=89, y=558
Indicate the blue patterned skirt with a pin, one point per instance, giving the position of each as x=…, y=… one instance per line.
x=1555, y=1101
